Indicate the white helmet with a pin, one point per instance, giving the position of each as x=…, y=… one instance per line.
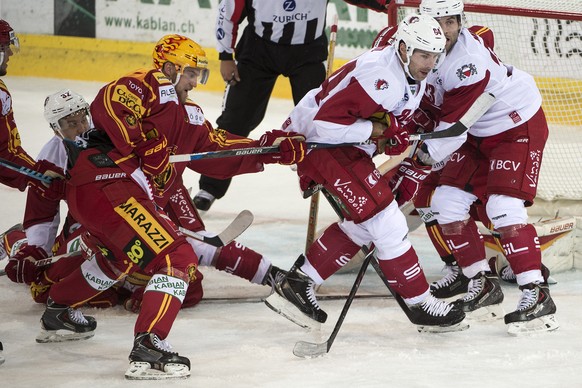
x=441, y=8
x=420, y=32
x=62, y=104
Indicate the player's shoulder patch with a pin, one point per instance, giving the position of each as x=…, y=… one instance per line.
x=195, y=114
x=466, y=70
x=167, y=93
x=5, y=101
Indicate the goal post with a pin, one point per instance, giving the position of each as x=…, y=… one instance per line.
x=543, y=38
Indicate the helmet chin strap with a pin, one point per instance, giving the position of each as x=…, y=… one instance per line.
x=406, y=65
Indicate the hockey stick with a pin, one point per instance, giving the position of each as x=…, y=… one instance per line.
x=49, y=260
x=242, y=221
x=314, y=202
x=260, y=299
x=253, y=151
x=478, y=109
x=26, y=171
x=305, y=349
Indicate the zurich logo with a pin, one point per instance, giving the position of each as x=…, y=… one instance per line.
x=289, y=5
x=220, y=34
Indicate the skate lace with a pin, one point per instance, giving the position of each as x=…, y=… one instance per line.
x=475, y=288
x=311, y=295
x=161, y=344
x=528, y=299
x=77, y=317
x=436, y=307
x=449, y=278
x=507, y=273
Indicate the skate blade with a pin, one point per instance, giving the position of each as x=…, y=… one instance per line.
x=537, y=325
x=305, y=349
x=487, y=313
x=48, y=336
x=288, y=310
x=442, y=329
x=143, y=371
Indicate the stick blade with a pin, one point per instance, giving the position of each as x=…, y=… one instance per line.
x=242, y=221
x=305, y=349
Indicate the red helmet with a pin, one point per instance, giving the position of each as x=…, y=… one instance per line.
x=7, y=33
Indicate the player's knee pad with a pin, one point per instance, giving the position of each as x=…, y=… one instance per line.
x=503, y=210
x=173, y=285
x=387, y=230
x=451, y=204
x=98, y=273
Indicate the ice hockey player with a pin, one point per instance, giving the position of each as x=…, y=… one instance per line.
x=496, y=163
x=67, y=114
x=384, y=82
x=10, y=145
x=140, y=119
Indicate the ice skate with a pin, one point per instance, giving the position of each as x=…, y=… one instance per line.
x=3, y=252
x=151, y=359
x=61, y=323
x=437, y=316
x=535, y=311
x=452, y=284
x=294, y=298
x=483, y=299
x=273, y=276
x=203, y=200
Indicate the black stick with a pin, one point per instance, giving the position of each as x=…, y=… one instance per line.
x=309, y=349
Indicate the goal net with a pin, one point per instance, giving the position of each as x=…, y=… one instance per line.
x=543, y=38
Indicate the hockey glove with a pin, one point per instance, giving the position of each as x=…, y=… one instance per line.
x=291, y=147
x=154, y=155
x=422, y=119
x=387, y=134
x=407, y=180
x=164, y=179
x=397, y=144
x=133, y=303
x=21, y=267
x=50, y=169
x=54, y=192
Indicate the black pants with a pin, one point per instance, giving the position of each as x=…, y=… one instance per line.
x=259, y=64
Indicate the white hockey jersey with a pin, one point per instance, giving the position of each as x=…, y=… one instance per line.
x=44, y=234
x=339, y=110
x=467, y=71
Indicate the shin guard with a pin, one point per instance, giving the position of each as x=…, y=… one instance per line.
x=242, y=261
x=464, y=241
x=405, y=274
x=331, y=251
x=521, y=246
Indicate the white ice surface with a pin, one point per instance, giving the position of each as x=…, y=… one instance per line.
x=246, y=344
